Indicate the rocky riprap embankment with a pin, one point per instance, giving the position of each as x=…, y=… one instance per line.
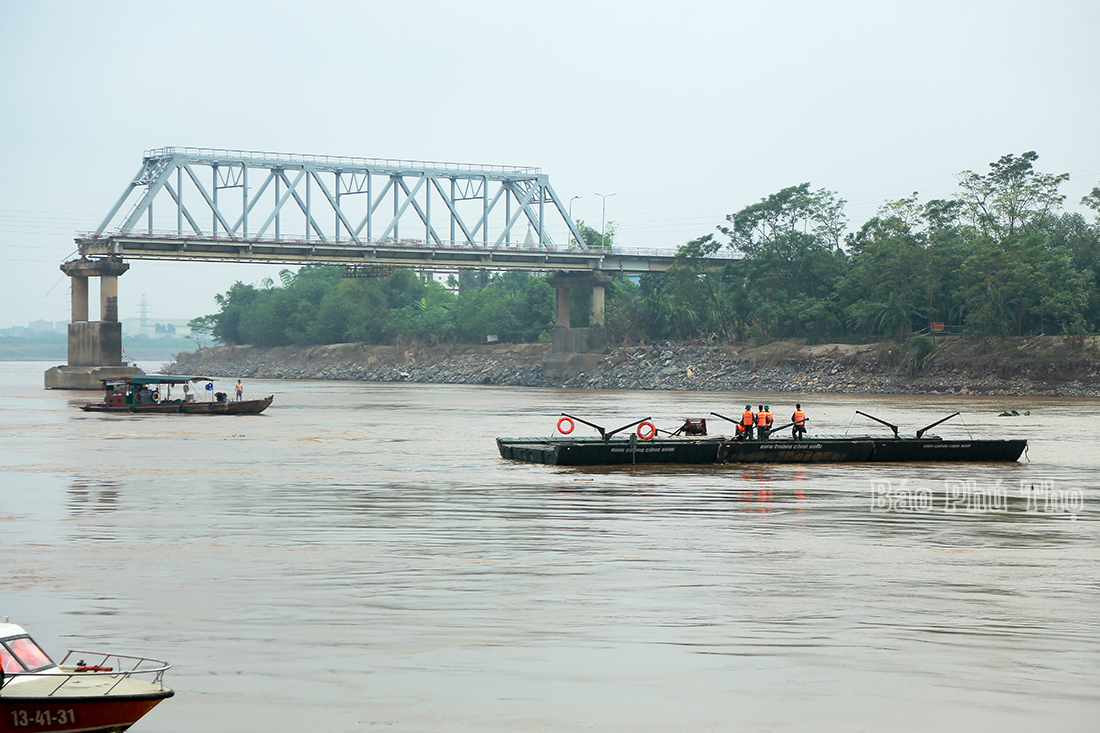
x=777, y=367
x=867, y=369
x=503, y=364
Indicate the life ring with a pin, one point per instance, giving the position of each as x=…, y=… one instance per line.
x=651, y=430
x=568, y=423
x=155, y=396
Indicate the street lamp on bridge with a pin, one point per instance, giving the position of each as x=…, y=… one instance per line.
x=603, y=219
x=571, y=217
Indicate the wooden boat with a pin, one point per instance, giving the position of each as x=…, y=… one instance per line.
x=152, y=393
x=98, y=693
x=690, y=444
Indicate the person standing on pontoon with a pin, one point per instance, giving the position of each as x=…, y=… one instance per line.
x=799, y=419
x=761, y=423
x=748, y=420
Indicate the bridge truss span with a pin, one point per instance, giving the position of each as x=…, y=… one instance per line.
x=210, y=194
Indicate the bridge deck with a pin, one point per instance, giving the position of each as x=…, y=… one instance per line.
x=400, y=254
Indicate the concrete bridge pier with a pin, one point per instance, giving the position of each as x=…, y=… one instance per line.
x=577, y=349
x=95, y=347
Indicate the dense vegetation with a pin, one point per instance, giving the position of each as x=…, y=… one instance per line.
x=1002, y=258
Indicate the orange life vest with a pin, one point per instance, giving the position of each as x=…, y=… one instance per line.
x=799, y=418
x=747, y=418
x=761, y=419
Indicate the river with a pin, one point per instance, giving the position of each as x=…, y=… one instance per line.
x=360, y=558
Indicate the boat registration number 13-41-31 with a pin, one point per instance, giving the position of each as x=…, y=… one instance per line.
x=28, y=717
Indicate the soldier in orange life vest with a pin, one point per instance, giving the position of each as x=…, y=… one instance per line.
x=799, y=420
x=761, y=423
x=748, y=420
x=771, y=418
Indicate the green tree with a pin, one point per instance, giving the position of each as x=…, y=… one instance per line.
x=202, y=328
x=538, y=308
x=264, y=323
x=473, y=279
x=332, y=322
x=233, y=305
x=625, y=314
x=793, y=259
x=1023, y=285
x=1080, y=241
x=784, y=220
x=1011, y=196
x=699, y=299
x=885, y=289
x=594, y=239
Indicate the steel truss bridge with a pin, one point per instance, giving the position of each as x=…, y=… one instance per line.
x=241, y=206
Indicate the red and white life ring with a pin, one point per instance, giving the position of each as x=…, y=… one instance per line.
x=565, y=425
x=650, y=430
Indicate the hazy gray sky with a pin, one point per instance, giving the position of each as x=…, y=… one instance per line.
x=687, y=111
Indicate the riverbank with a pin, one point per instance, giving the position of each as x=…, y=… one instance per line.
x=1041, y=366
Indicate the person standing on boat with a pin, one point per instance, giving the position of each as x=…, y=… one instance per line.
x=771, y=418
x=747, y=421
x=240, y=390
x=799, y=419
x=761, y=423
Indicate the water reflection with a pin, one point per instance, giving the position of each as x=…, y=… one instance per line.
x=92, y=496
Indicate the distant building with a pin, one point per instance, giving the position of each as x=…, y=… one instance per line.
x=155, y=329
x=48, y=327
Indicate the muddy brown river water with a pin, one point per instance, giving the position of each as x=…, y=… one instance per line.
x=359, y=558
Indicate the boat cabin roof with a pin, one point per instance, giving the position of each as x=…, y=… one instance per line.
x=9, y=629
x=143, y=379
